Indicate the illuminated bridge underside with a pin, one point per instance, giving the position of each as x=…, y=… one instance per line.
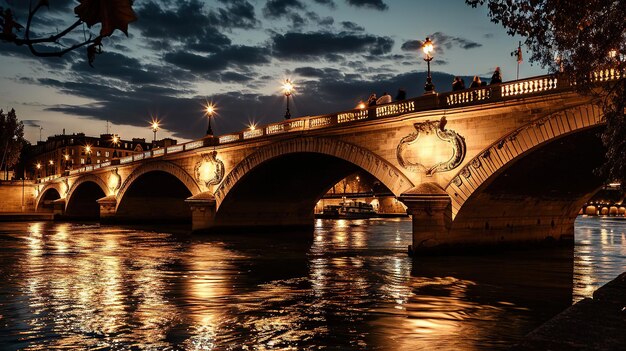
x=482, y=166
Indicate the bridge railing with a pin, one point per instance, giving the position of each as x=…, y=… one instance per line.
x=473, y=96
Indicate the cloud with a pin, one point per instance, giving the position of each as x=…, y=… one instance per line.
x=31, y=122
x=310, y=46
x=279, y=8
x=237, y=14
x=236, y=55
x=372, y=4
x=351, y=26
x=187, y=23
x=312, y=72
x=440, y=41
x=329, y=3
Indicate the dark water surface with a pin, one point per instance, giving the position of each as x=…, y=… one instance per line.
x=348, y=286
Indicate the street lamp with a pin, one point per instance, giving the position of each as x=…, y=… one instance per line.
x=67, y=161
x=38, y=166
x=287, y=90
x=210, y=110
x=427, y=47
x=51, y=162
x=88, y=152
x=155, y=127
x=115, y=141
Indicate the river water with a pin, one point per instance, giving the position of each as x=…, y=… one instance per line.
x=349, y=286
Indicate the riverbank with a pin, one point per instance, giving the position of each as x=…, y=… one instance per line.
x=25, y=216
x=596, y=323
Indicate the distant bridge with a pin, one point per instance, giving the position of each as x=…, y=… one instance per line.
x=504, y=163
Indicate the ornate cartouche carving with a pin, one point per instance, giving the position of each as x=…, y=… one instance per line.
x=209, y=170
x=447, y=136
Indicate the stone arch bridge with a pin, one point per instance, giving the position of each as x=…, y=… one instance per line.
x=497, y=164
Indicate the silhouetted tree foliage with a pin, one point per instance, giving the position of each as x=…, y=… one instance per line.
x=11, y=139
x=578, y=38
x=110, y=14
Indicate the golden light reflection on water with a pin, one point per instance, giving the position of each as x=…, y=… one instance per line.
x=351, y=287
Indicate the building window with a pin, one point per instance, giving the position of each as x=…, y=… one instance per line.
x=125, y=145
x=71, y=141
x=106, y=154
x=98, y=160
x=82, y=161
x=72, y=152
x=98, y=153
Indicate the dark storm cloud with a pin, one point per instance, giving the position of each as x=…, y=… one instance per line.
x=440, y=41
x=309, y=46
x=234, y=77
x=312, y=72
x=372, y=4
x=237, y=14
x=127, y=69
x=232, y=56
x=279, y=8
x=329, y=3
x=188, y=23
x=351, y=26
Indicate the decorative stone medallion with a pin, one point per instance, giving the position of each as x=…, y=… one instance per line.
x=209, y=170
x=115, y=181
x=438, y=136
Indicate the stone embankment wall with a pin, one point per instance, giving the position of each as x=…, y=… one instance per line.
x=11, y=198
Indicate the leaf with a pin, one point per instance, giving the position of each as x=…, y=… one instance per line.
x=112, y=14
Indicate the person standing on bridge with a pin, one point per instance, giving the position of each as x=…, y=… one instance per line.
x=401, y=95
x=384, y=99
x=496, y=78
x=458, y=84
x=371, y=101
x=475, y=82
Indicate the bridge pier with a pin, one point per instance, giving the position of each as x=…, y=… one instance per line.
x=58, y=207
x=107, y=208
x=203, y=208
x=430, y=209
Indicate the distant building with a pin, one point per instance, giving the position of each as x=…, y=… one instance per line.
x=64, y=152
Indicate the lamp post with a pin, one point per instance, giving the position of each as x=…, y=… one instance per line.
x=210, y=110
x=67, y=161
x=51, y=163
x=38, y=166
x=287, y=90
x=155, y=127
x=427, y=47
x=88, y=152
x=115, y=140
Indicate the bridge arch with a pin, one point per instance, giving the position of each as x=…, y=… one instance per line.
x=532, y=180
x=81, y=199
x=501, y=154
x=156, y=191
x=279, y=184
x=384, y=171
x=50, y=192
x=160, y=166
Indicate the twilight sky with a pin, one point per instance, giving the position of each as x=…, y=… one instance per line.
x=182, y=53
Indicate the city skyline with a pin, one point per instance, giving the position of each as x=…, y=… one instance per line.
x=235, y=54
